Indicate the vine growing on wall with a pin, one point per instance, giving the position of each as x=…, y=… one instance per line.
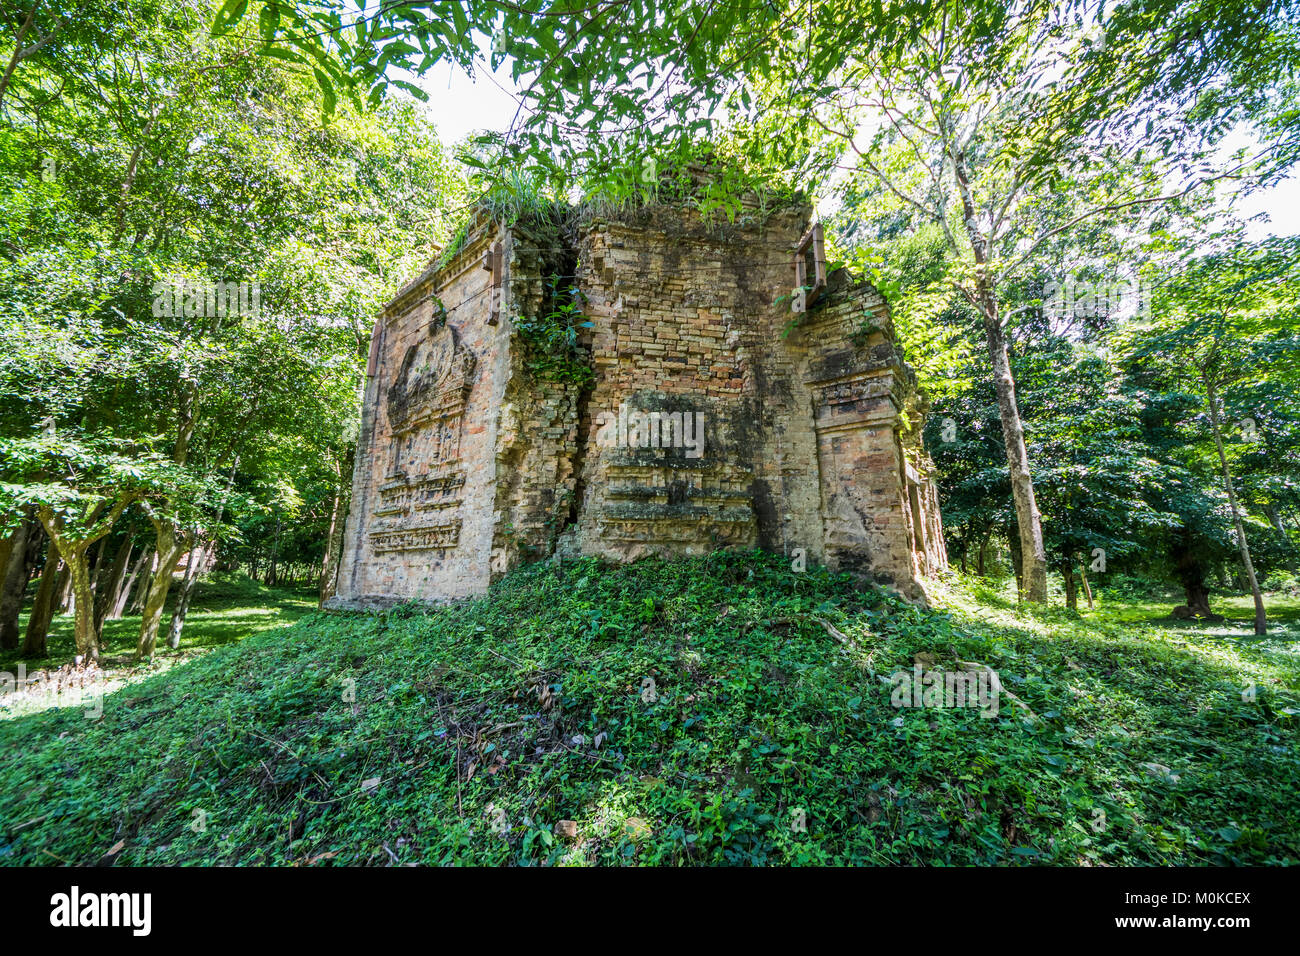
x=551, y=337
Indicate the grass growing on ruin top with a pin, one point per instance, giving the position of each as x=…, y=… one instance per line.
x=523, y=728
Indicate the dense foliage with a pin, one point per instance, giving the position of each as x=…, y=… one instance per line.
x=203, y=205
x=192, y=261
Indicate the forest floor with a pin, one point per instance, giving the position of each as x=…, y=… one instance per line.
x=224, y=609
x=721, y=710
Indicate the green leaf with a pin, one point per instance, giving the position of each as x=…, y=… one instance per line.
x=231, y=12
x=330, y=98
x=411, y=88
x=269, y=21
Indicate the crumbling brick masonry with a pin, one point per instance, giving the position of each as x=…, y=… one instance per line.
x=699, y=405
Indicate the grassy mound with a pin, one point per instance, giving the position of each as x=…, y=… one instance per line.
x=721, y=710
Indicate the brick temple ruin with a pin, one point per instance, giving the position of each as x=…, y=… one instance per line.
x=737, y=397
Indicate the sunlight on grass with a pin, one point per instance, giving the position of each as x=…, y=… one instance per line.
x=225, y=610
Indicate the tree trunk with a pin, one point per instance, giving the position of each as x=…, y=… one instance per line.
x=1261, y=620
x=38, y=624
x=170, y=547
x=84, y=624
x=97, y=566
x=1028, y=521
x=1071, y=587
x=334, y=540
x=73, y=551
x=15, y=584
x=170, y=543
x=1033, y=555
x=6, y=547
x=271, y=572
x=982, y=569
x=182, y=607
x=142, y=592
x=1013, y=543
x=118, y=607
x=62, y=590
x=106, y=596
x=1191, y=572
x=1198, y=600
x=64, y=600
x=1275, y=518
x=1083, y=576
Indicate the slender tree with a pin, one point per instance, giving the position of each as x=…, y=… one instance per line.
x=1228, y=321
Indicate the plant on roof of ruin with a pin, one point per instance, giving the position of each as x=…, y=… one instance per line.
x=553, y=352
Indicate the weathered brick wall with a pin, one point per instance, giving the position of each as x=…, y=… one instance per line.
x=712, y=417
x=684, y=324
x=421, y=520
x=858, y=383
x=537, y=443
